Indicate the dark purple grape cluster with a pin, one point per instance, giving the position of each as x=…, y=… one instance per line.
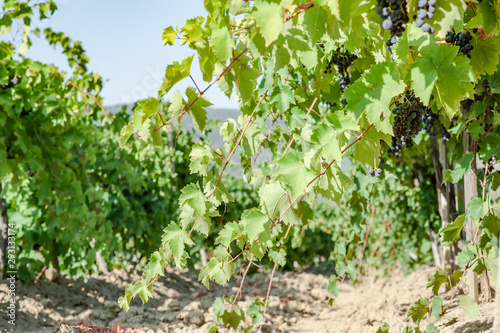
x=343, y=60
x=462, y=40
x=394, y=14
x=375, y=173
x=407, y=121
x=467, y=103
x=445, y=135
x=429, y=119
x=426, y=9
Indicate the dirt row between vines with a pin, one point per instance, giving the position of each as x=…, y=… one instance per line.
x=298, y=303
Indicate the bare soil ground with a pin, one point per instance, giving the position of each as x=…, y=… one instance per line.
x=298, y=303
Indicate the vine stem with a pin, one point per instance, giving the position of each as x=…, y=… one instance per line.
x=343, y=151
x=268, y=293
x=366, y=239
x=237, y=143
x=238, y=293
x=201, y=93
x=292, y=139
x=74, y=85
x=309, y=184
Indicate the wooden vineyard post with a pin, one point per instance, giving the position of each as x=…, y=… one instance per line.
x=496, y=325
x=446, y=199
x=470, y=193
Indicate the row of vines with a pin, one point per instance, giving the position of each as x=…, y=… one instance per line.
x=381, y=118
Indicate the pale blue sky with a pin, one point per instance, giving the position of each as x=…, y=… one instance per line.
x=123, y=41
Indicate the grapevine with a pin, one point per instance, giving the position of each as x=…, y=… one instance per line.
x=265, y=55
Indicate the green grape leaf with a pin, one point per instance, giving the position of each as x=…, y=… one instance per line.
x=437, y=279
x=437, y=307
x=490, y=13
x=125, y=133
x=222, y=43
x=175, y=73
x=372, y=93
x=491, y=221
x=269, y=19
x=471, y=309
x=192, y=196
x=315, y=23
x=332, y=288
x=418, y=310
x=477, y=209
x=278, y=256
x=124, y=303
x=294, y=172
x=455, y=277
x=229, y=131
x=331, y=185
x=343, y=122
x=282, y=96
x=445, y=16
x=230, y=232
x=461, y=167
x=176, y=238
x=465, y=256
x=235, y=317
x=200, y=158
x=255, y=310
x=177, y=104
x=341, y=268
x=253, y=223
x=197, y=110
x=214, y=270
x=325, y=138
x=384, y=328
x=491, y=263
x=252, y=139
x=451, y=233
x=444, y=75
x=155, y=266
x=489, y=147
x=272, y=197
x=484, y=56
x=431, y=328
x=192, y=31
x=168, y=36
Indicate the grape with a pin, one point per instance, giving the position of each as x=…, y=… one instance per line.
x=431, y=30
x=394, y=17
x=343, y=60
x=422, y=3
x=407, y=122
x=432, y=2
x=422, y=13
x=430, y=15
x=370, y=171
x=426, y=27
x=431, y=9
x=419, y=22
x=387, y=24
x=460, y=39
